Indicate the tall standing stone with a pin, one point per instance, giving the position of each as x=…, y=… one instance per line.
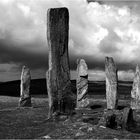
x=135, y=93
x=82, y=83
x=25, y=97
x=58, y=75
x=111, y=83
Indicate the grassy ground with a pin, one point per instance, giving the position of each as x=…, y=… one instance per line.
x=31, y=123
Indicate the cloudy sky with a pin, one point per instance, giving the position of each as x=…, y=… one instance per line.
x=97, y=29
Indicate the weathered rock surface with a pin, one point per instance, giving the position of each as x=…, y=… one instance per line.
x=61, y=98
x=80, y=133
x=135, y=93
x=82, y=84
x=116, y=119
x=111, y=83
x=25, y=97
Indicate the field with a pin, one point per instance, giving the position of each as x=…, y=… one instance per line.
x=17, y=123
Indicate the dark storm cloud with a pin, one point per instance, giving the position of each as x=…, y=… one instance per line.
x=99, y=64
x=9, y=53
x=92, y=62
x=2, y=70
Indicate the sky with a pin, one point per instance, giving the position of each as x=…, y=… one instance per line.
x=96, y=29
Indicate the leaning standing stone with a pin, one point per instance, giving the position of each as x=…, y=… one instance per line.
x=111, y=83
x=135, y=93
x=61, y=99
x=25, y=98
x=82, y=83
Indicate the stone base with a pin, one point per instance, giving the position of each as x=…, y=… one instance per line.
x=26, y=102
x=84, y=111
x=135, y=104
x=84, y=103
x=116, y=119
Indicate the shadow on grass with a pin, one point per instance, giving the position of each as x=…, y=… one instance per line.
x=92, y=120
x=96, y=106
x=120, y=107
x=134, y=128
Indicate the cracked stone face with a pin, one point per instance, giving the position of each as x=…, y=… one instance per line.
x=58, y=75
x=25, y=98
x=135, y=92
x=111, y=83
x=82, y=83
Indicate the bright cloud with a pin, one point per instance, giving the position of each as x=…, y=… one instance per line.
x=25, y=9
x=96, y=30
x=90, y=23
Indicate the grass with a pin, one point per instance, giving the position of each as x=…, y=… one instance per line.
x=31, y=123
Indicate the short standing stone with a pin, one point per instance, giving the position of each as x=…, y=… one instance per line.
x=25, y=98
x=111, y=83
x=135, y=93
x=82, y=83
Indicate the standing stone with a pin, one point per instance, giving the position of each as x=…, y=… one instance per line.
x=111, y=83
x=61, y=99
x=25, y=98
x=135, y=93
x=82, y=83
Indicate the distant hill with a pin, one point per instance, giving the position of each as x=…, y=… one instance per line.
x=12, y=88
x=38, y=87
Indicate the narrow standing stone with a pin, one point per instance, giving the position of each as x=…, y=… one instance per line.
x=25, y=98
x=111, y=83
x=82, y=83
x=60, y=95
x=135, y=93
